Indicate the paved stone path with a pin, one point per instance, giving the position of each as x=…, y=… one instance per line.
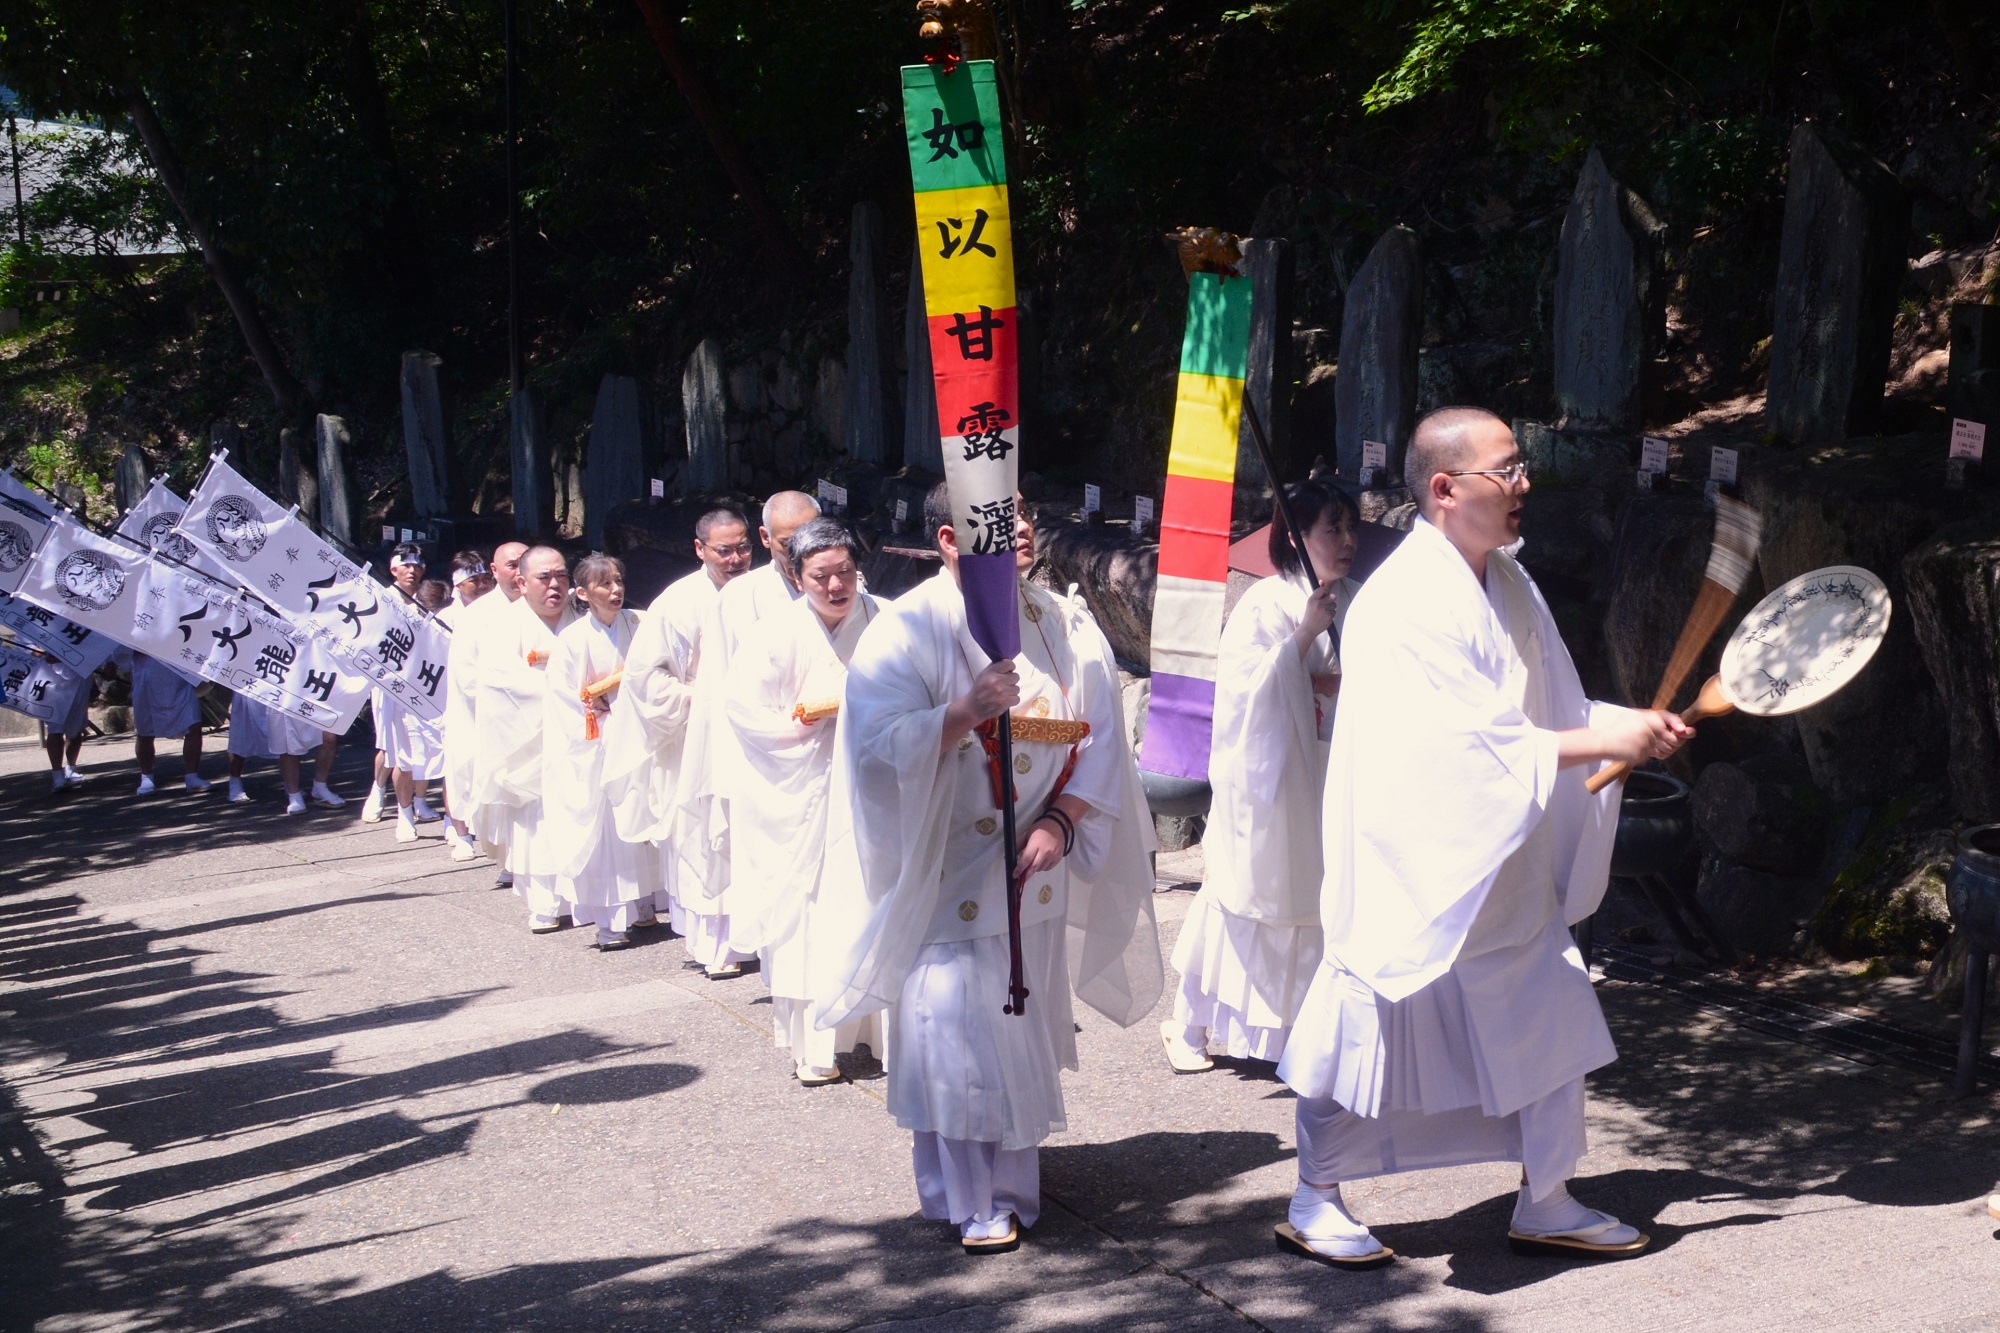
x=258, y=1071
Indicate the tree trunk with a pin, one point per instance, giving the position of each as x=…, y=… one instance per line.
x=777, y=237
x=285, y=390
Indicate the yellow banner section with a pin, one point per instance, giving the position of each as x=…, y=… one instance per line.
x=1206, y=411
x=965, y=238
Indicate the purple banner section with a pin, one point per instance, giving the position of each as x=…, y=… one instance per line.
x=992, y=602
x=1180, y=723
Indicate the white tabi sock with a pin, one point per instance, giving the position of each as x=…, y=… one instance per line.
x=1561, y=1215
x=295, y=803
x=1321, y=1218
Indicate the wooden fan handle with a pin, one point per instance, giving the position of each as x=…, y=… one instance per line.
x=1705, y=707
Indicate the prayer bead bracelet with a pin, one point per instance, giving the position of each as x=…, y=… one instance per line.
x=1063, y=821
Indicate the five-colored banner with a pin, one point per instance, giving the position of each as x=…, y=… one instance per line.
x=965, y=246
x=1194, y=526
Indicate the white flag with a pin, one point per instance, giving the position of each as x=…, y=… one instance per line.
x=13, y=488
x=36, y=685
x=74, y=645
x=395, y=644
x=150, y=525
x=21, y=530
x=265, y=656
x=188, y=621
x=258, y=543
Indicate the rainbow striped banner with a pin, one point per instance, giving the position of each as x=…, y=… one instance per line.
x=966, y=245
x=1194, y=526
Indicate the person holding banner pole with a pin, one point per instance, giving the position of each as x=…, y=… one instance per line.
x=1251, y=942
x=257, y=732
x=65, y=742
x=912, y=910
x=163, y=704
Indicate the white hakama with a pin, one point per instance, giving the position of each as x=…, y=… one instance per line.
x=1451, y=1019
x=912, y=916
x=163, y=700
x=609, y=882
x=1251, y=941
x=258, y=732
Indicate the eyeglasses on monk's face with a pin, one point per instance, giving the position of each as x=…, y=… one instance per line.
x=1512, y=475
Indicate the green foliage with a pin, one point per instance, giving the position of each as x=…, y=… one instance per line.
x=1547, y=36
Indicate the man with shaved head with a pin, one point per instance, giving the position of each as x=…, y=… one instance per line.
x=510, y=696
x=701, y=870
x=656, y=757
x=1451, y=1019
x=475, y=816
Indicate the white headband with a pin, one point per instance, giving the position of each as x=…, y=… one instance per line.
x=459, y=576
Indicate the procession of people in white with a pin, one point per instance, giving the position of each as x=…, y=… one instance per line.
x=779, y=766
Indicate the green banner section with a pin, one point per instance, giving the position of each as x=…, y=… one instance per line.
x=952, y=123
x=1218, y=327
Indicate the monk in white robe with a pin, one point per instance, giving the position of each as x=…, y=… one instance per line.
x=512, y=708
x=1451, y=1020
x=1251, y=941
x=701, y=823
x=470, y=792
x=656, y=752
x=782, y=704
x=912, y=909
x=471, y=579
x=612, y=881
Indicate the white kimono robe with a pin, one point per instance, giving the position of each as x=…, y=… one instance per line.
x=511, y=704
x=701, y=835
x=778, y=786
x=469, y=622
x=912, y=908
x=612, y=881
x=1452, y=1020
x=646, y=744
x=1251, y=941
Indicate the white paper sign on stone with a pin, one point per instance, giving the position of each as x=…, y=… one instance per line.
x=1375, y=454
x=258, y=543
x=37, y=686
x=1653, y=455
x=1142, y=513
x=1968, y=439
x=1093, y=497
x=1722, y=465
x=902, y=511
x=388, y=533
x=658, y=488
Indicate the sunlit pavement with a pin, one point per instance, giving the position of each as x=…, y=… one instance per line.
x=260, y=1070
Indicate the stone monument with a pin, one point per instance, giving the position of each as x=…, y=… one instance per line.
x=1375, y=387
x=705, y=405
x=426, y=437
x=615, y=469
x=1840, y=261
x=1610, y=309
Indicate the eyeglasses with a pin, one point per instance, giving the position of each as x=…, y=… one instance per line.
x=728, y=552
x=1512, y=475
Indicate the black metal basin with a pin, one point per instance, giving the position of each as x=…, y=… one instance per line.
x=1972, y=888
x=1175, y=798
x=1655, y=827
